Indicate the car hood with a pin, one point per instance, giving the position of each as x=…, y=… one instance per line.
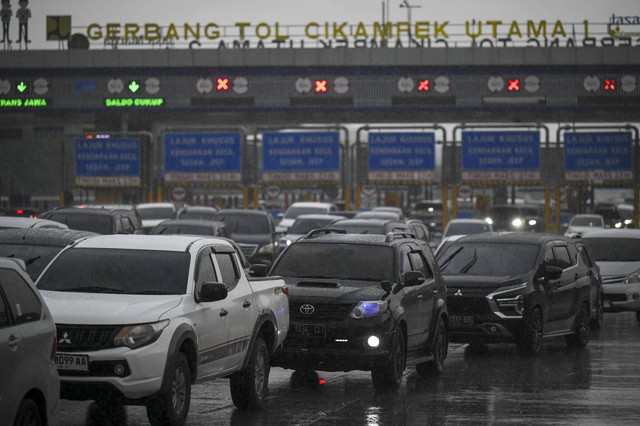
x=611, y=268
x=103, y=308
x=150, y=223
x=342, y=290
x=454, y=282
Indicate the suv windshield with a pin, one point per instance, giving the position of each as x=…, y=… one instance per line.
x=345, y=261
x=97, y=270
x=489, y=259
x=614, y=249
x=100, y=224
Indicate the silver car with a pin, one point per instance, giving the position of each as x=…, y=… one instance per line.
x=30, y=388
x=617, y=254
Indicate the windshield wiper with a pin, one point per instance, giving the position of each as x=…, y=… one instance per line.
x=94, y=289
x=449, y=259
x=468, y=266
x=33, y=259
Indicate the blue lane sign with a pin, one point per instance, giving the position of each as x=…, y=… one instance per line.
x=501, y=150
x=318, y=151
x=108, y=157
x=202, y=152
x=598, y=150
x=402, y=151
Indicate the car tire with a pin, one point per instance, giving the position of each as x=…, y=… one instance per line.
x=171, y=406
x=440, y=346
x=598, y=321
x=529, y=341
x=580, y=337
x=29, y=413
x=250, y=387
x=388, y=377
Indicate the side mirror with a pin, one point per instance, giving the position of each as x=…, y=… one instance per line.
x=258, y=270
x=552, y=272
x=212, y=291
x=412, y=278
x=386, y=286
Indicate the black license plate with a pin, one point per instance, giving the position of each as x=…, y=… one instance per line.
x=462, y=321
x=315, y=330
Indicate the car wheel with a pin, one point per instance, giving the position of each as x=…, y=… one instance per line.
x=598, y=321
x=580, y=337
x=440, y=346
x=249, y=388
x=530, y=340
x=388, y=377
x=304, y=379
x=28, y=413
x=171, y=406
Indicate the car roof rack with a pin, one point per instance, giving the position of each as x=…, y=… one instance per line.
x=397, y=235
x=324, y=231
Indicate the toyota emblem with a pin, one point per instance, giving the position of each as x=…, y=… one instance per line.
x=307, y=309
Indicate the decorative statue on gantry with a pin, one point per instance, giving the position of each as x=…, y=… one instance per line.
x=23, y=14
x=5, y=16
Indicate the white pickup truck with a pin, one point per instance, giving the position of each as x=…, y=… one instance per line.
x=140, y=318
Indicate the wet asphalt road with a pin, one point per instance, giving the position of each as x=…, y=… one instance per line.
x=599, y=385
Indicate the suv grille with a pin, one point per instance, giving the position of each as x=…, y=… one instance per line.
x=470, y=301
x=322, y=312
x=86, y=337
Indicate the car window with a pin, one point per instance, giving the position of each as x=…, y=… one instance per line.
x=36, y=257
x=4, y=314
x=127, y=227
x=420, y=264
x=205, y=271
x=573, y=254
x=228, y=269
x=22, y=301
x=562, y=257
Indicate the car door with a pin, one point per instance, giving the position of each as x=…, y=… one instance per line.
x=426, y=296
x=412, y=302
x=212, y=336
x=561, y=296
x=240, y=312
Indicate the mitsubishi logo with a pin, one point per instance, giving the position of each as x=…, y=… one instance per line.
x=65, y=339
x=307, y=309
x=458, y=293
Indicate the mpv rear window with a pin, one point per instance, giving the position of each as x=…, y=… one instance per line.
x=346, y=261
x=98, y=270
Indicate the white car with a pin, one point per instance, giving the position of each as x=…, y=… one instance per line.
x=302, y=207
x=151, y=214
x=617, y=253
x=30, y=388
x=462, y=226
x=580, y=223
x=141, y=318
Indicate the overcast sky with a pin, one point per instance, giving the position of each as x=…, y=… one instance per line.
x=290, y=12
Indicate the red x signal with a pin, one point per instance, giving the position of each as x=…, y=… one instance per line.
x=223, y=84
x=609, y=84
x=321, y=85
x=424, y=85
x=514, y=85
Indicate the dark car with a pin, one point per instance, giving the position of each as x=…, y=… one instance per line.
x=363, y=302
x=197, y=212
x=615, y=215
x=517, y=217
x=516, y=287
x=253, y=231
x=370, y=226
x=37, y=246
x=101, y=220
x=212, y=228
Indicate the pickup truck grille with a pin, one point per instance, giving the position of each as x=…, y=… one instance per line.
x=322, y=312
x=613, y=279
x=74, y=338
x=248, y=249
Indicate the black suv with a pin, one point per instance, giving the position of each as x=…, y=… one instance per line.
x=517, y=287
x=101, y=220
x=363, y=302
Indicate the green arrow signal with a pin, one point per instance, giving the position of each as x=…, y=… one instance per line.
x=134, y=86
x=22, y=87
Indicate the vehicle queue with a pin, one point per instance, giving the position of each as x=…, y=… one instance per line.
x=405, y=300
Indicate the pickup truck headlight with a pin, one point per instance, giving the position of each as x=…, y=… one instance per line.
x=369, y=309
x=633, y=277
x=135, y=336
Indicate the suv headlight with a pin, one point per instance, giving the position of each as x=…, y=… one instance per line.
x=369, y=309
x=509, y=299
x=135, y=336
x=633, y=277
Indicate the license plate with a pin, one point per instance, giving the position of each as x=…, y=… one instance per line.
x=308, y=329
x=462, y=320
x=71, y=362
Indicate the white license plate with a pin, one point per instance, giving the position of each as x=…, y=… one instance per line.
x=72, y=362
